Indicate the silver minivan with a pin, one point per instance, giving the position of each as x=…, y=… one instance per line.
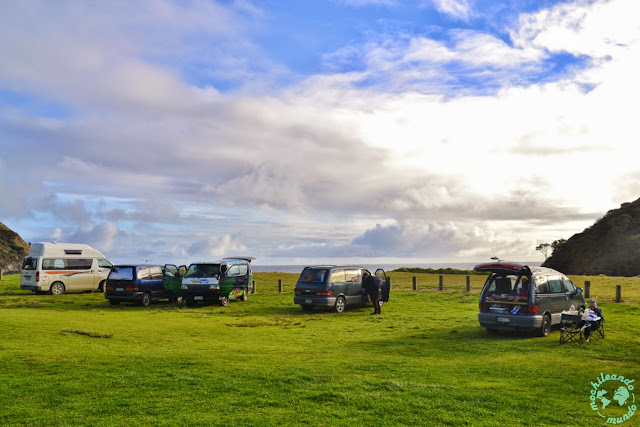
x=518, y=297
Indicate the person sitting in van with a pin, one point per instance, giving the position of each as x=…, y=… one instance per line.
x=372, y=285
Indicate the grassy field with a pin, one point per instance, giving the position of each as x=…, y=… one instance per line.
x=75, y=360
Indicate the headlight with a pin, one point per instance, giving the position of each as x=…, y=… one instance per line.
x=184, y=287
x=214, y=287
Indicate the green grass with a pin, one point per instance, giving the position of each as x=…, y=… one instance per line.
x=75, y=360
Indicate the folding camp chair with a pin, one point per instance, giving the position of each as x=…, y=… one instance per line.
x=571, y=330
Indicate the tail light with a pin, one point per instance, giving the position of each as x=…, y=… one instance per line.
x=480, y=306
x=37, y=276
x=534, y=309
x=324, y=293
x=297, y=291
x=109, y=288
x=131, y=289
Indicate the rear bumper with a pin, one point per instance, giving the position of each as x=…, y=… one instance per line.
x=37, y=288
x=135, y=296
x=516, y=322
x=315, y=300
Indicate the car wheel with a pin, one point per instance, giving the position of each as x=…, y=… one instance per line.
x=307, y=308
x=146, y=299
x=545, y=329
x=56, y=289
x=224, y=301
x=245, y=294
x=381, y=302
x=340, y=304
x=114, y=302
x=101, y=286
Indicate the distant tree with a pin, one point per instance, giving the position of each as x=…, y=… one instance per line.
x=544, y=248
x=557, y=243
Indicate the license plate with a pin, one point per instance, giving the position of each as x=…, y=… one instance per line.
x=198, y=298
x=120, y=289
x=27, y=277
x=503, y=320
x=308, y=301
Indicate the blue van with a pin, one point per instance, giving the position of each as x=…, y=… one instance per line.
x=137, y=283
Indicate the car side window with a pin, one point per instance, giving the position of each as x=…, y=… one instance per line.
x=79, y=264
x=155, y=273
x=144, y=274
x=53, y=264
x=337, y=276
x=569, y=286
x=352, y=275
x=542, y=285
x=237, y=270
x=103, y=263
x=555, y=285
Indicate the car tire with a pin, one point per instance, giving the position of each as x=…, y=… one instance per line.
x=245, y=294
x=146, y=299
x=101, y=286
x=381, y=302
x=57, y=288
x=340, y=304
x=114, y=302
x=224, y=301
x=545, y=328
x=307, y=308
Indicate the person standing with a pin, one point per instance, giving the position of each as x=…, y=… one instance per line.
x=372, y=285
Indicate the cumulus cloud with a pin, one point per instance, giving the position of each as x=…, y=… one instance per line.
x=145, y=160
x=216, y=247
x=461, y=9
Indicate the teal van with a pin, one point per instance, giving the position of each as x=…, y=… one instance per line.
x=218, y=282
x=335, y=287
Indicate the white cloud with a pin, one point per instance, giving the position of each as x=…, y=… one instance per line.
x=461, y=9
x=148, y=164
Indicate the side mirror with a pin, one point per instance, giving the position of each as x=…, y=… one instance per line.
x=578, y=290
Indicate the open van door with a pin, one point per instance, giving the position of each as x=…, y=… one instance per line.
x=171, y=280
x=386, y=288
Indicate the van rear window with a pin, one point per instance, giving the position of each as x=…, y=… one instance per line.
x=313, y=275
x=121, y=273
x=30, y=264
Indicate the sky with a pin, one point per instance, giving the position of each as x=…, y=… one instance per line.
x=315, y=131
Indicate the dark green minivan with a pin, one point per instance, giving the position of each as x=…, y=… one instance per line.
x=335, y=286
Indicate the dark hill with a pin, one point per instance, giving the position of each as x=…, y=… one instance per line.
x=610, y=246
x=12, y=250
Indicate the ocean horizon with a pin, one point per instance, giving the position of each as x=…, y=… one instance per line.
x=297, y=268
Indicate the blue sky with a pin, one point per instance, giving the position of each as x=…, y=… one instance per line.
x=316, y=131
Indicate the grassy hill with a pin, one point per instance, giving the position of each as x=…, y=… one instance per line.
x=12, y=249
x=611, y=246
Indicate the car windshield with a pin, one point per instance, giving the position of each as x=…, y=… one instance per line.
x=121, y=273
x=203, y=270
x=313, y=275
x=30, y=263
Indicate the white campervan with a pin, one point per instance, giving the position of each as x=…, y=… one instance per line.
x=60, y=267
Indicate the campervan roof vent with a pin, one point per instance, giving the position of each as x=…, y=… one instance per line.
x=73, y=251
